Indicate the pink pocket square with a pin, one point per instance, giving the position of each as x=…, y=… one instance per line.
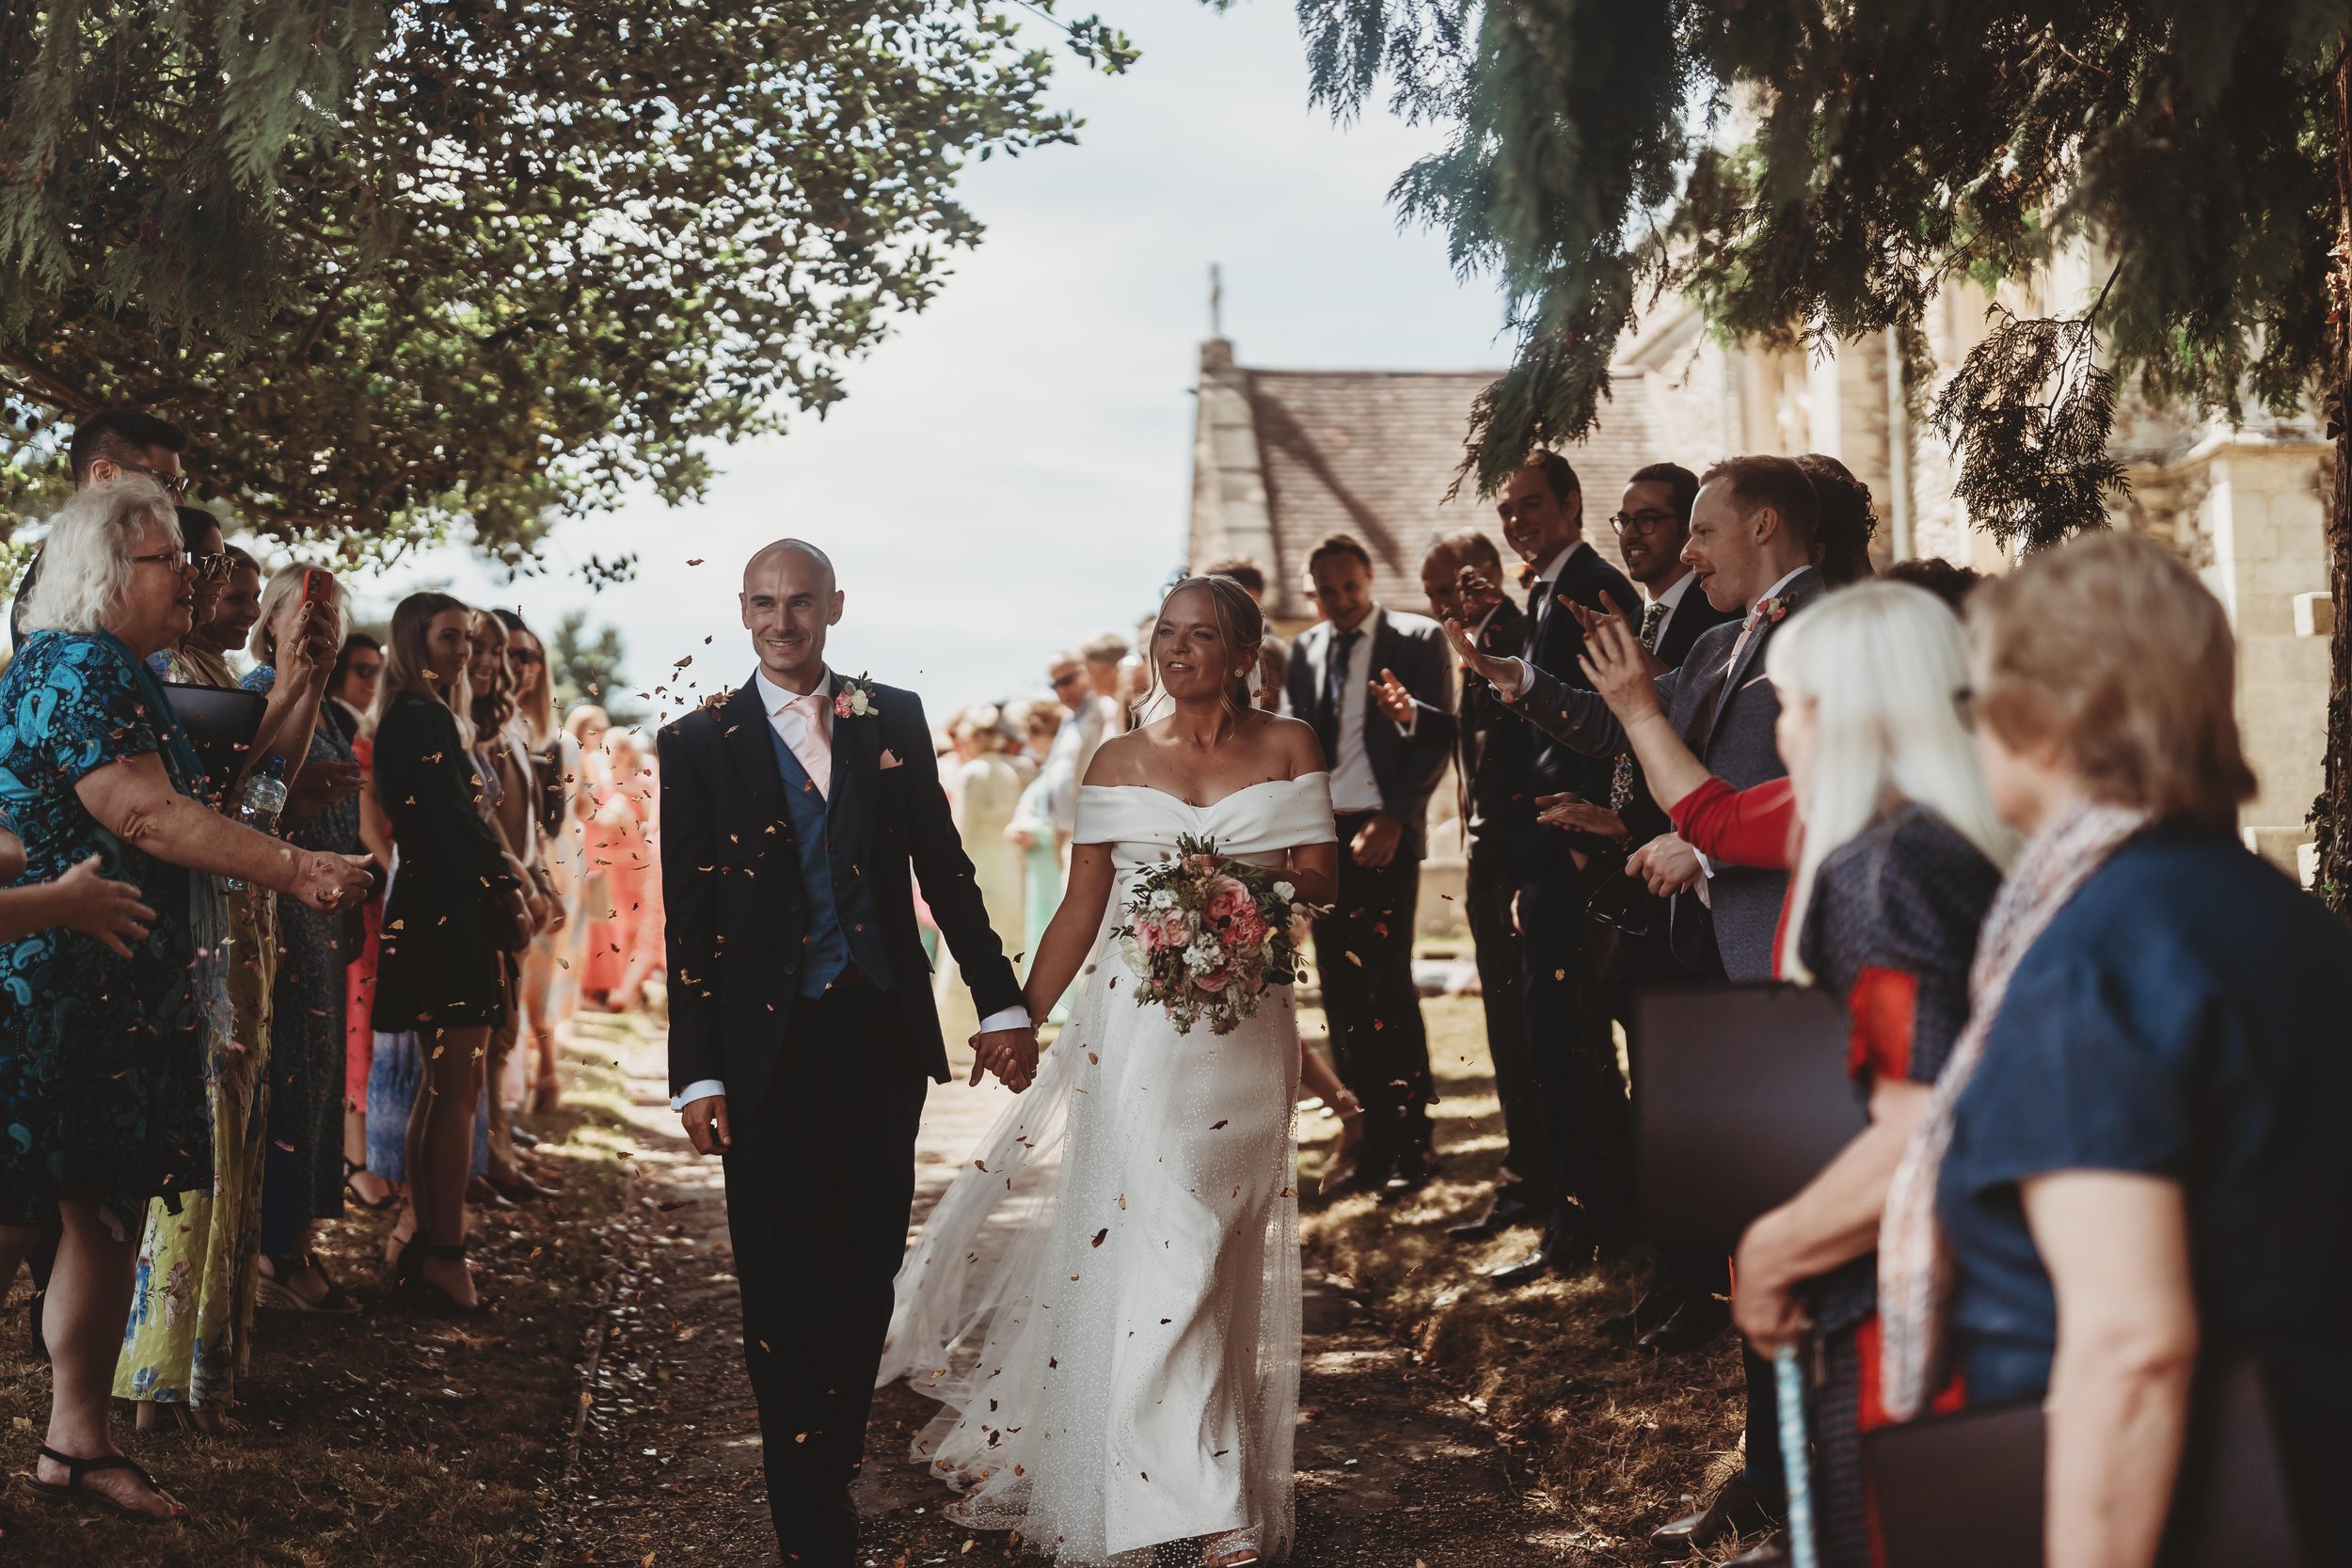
x=890, y=759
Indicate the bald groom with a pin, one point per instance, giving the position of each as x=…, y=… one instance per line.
x=803, y=1035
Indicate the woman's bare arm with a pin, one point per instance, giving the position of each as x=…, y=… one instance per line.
x=1070, y=937
x=133, y=800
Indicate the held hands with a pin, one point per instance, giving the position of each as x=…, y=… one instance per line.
x=1574, y=810
x=1389, y=693
x=1621, y=670
x=1376, y=842
x=1009, y=1053
x=101, y=907
x=706, y=1123
x=1666, y=864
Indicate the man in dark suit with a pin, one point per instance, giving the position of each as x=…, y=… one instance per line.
x=1382, y=774
x=801, y=1029
x=1563, y=957
x=1750, y=549
x=1494, y=772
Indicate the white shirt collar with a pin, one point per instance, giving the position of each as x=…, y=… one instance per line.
x=775, y=699
x=1773, y=592
x=1672, y=597
x=1485, y=620
x=1368, y=627
x=1559, y=564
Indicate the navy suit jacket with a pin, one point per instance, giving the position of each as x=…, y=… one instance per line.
x=737, y=914
x=1554, y=644
x=1406, y=767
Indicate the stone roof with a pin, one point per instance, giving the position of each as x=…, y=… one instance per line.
x=1283, y=458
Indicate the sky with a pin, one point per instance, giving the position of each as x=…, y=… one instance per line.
x=1012, y=469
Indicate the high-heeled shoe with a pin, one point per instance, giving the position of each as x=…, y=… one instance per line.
x=353, y=1170
x=433, y=1296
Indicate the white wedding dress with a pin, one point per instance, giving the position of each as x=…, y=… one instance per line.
x=1106, y=1299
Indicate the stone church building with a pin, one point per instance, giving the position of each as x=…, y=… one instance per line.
x=1283, y=457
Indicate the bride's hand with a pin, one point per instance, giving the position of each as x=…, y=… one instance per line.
x=1009, y=1053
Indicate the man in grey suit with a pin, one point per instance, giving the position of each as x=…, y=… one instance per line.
x=1382, y=774
x=1750, y=549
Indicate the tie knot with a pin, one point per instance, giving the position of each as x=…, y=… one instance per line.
x=811, y=703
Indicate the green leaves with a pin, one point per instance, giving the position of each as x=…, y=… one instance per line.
x=2030, y=411
x=404, y=267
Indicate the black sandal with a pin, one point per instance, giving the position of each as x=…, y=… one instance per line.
x=436, y=1298
x=353, y=1167
x=277, y=1292
x=76, y=1469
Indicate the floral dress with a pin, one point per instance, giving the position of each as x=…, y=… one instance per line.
x=102, y=1058
x=190, y=1329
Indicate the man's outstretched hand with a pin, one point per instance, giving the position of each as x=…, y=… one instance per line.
x=705, y=1122
x=1009, y=1053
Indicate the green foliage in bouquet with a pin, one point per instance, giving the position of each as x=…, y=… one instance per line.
x=1207, y=935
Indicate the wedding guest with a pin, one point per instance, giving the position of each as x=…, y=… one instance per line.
x=1564, y=955
x=351, y=687
x=235, y=612
x=1493, y=774
x=1947, y=581
x=110, y=445
x=555, y=762
x=1273, y=653
x=1901, y=853
x=302, y=1175
x=512, y=798
x=1081, y=735
x=453, y=898
x=985, y=788
x=1841, y=550
x=585, y=769
x=2135, y=1162
x=625, y=936
x=1382, y=774
x=362, y=1183
x=106, y=1081
x=1106, y=655
x=1751, y=542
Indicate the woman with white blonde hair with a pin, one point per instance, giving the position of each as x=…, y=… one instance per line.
x=1897, y=854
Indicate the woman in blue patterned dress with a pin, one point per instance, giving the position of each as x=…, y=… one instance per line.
x=103, y=1060
x=297, y=638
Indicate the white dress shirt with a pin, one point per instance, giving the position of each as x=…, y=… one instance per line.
x=790, y=724
x=1672, y=598
x=1354, y=788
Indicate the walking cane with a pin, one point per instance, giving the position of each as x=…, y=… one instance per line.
x=1790, y=1386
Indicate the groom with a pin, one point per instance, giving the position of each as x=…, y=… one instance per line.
x=801, y=1029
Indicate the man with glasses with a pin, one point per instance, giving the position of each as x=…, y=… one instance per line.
x=105, y=447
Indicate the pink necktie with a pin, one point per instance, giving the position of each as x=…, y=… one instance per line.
x=815, y=747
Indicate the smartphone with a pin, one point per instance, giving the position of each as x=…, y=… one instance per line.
x=314, y=585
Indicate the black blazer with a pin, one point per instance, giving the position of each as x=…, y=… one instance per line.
x=441, y=963
x=738, y=915
x=1554, y=644
x=1494, y=749
x=1406, y=767
x=1695, y=615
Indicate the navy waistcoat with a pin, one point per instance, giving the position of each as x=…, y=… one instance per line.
x=842, y=929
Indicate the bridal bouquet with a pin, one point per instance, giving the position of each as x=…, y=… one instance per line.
x=1207, y=934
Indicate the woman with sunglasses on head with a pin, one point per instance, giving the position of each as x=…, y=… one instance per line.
x=555, y=763
x=1897, y=853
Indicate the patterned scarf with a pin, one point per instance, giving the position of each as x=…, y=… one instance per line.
x=1914, y=1265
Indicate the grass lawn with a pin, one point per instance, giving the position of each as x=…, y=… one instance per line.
x=1616, y=1438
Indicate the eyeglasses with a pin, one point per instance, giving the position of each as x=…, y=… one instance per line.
x=212, y=568
x=1642, y=522
x=177, y=561
x=365, y=672
x=175, y=486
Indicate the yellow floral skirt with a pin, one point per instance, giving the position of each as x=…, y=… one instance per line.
x=190, y=1329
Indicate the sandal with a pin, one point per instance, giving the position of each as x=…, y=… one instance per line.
x=275, y=1292
x=77, y=1469
x=351, y=1188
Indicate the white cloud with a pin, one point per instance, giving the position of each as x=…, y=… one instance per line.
x=1012, y=469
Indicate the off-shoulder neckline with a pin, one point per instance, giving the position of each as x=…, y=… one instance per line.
x=1270, y=784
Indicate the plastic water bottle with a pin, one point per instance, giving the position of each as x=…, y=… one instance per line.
x=263, y=800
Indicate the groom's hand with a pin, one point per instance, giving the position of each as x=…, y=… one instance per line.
x=705, y=1122
x=1009, y=1053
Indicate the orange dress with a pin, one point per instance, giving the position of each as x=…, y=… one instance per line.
x=620, y=845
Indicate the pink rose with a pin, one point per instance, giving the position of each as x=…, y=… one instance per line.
x=1214, y=981
x=1230, y=900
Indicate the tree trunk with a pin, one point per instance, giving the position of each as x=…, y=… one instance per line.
x=2331, y=814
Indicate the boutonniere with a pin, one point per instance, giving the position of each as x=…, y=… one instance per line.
x=856, y=699
x=1774, y=608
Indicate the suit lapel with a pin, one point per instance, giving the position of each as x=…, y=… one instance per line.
x=1797, y=593
x=744, y=732
x=856, y=769
x=1385, y=642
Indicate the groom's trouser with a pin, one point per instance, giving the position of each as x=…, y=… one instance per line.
x=820, y=1184
x=1365, y=962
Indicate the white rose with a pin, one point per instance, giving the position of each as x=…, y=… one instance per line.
x=1163, y=901
x=1132, y=951
x=1285, y=891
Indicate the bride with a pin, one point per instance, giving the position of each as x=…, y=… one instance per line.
x=1106, y=1300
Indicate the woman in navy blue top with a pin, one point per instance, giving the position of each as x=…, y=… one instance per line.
x=2144, y=1158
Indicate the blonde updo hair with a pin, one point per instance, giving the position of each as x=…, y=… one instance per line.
x=2111, y=649
x=1240, y=624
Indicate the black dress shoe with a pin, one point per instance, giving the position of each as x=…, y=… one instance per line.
x=1736, y=1510
x=1411, y=1176
x=1771, y=1554
x=1505, y=1211
x=1698, y=1322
